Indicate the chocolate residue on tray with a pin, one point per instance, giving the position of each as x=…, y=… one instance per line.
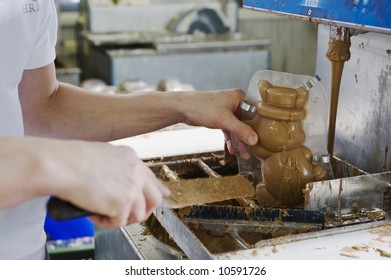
x=384, y=253
x=383, y=236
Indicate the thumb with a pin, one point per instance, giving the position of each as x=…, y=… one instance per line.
x=242, y=131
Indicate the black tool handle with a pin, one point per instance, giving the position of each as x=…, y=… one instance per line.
x=61, y=210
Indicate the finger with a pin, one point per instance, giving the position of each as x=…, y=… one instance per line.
x=154, y=185
x=234, y=145
x=149, y=211
x=229, y=142
x=163, y=189
x=154, y=198
x=138, y=211
x=243, y=150
x=107, y=222
x=241, y=130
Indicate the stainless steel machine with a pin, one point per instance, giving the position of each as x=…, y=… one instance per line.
x=349, y=218
x=194, y=41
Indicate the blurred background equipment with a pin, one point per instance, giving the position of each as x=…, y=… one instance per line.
x=67, y=64
x=194, y=41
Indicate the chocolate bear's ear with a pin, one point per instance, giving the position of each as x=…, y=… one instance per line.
x=263, y=88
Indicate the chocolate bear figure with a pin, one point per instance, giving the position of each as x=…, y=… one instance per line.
x=286, y=163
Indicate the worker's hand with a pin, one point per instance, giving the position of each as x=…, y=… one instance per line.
x=221, y=109
x=108, y=180
x=237, y=147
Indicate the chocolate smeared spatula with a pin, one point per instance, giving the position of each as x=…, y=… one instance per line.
x=183, y=193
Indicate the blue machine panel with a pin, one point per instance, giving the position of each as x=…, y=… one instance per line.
x=361, y=14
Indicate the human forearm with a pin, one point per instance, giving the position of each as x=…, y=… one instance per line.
x=106, y=117
x=25, y=170
x=72, y=112
x=64, y=111
x=101, y=178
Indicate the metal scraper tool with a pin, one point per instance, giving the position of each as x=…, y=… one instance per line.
x=183, y=193
x=351, y=199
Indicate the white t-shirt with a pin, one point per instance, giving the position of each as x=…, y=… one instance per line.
x=28, y=34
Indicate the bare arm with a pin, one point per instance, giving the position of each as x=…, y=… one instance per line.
x=99, y=177
x=64, y=111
